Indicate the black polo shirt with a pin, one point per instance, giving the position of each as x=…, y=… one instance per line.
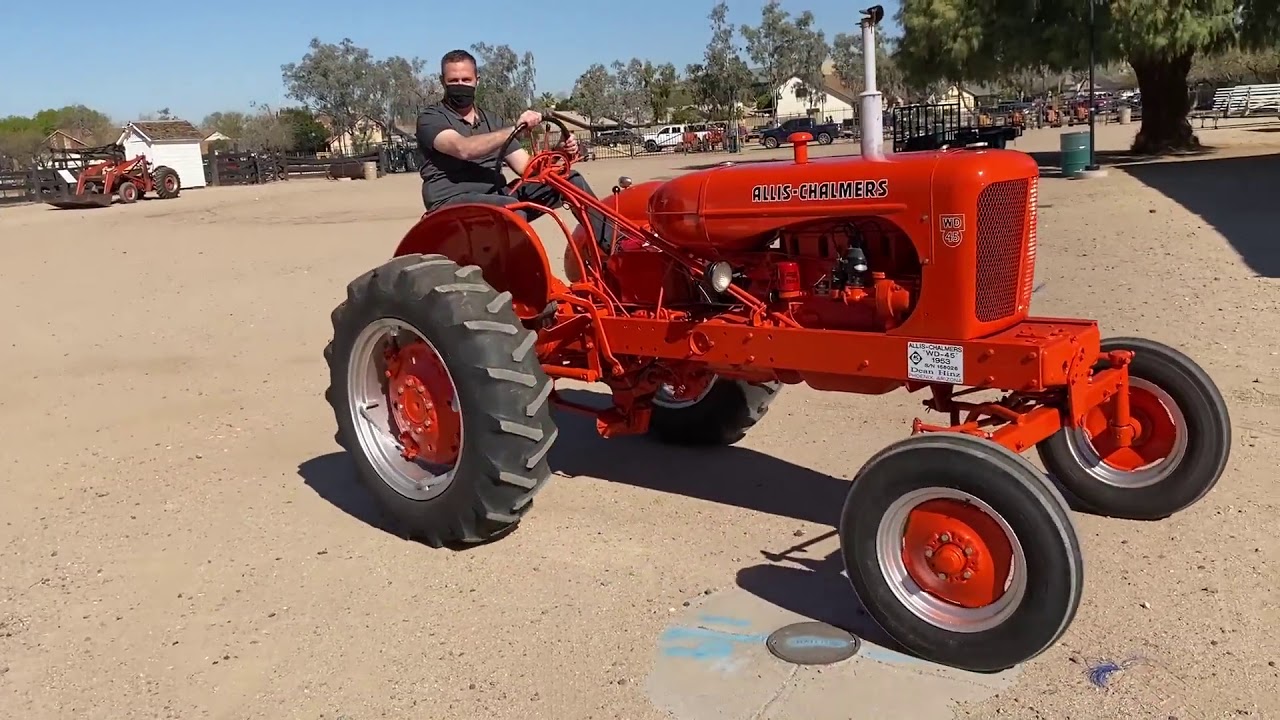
x=446, y=176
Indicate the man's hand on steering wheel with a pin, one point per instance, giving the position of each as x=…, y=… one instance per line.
x=529, y=119
x=570, y=145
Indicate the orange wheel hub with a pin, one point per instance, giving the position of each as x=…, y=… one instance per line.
x=1155, y=432
x=957, y=552
x=423, y=404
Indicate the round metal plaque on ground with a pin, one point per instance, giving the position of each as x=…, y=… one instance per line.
x=812, y=643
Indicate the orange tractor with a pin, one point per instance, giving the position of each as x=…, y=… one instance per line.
x=100, y=182
x=721, y=287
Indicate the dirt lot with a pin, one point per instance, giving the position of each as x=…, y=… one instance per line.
x=182, y=540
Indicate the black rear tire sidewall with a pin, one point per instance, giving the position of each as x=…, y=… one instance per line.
x=1208, y=440
x=457, y=514
x=1038, y=517
x=824, y=139
x=770, y=143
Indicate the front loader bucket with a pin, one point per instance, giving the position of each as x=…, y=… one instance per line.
x=71, y=201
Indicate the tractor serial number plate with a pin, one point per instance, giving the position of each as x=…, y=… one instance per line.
x=935, y=363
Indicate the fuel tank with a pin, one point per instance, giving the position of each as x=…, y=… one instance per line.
x=734, y=208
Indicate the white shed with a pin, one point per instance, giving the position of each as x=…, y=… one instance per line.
x=174, y=143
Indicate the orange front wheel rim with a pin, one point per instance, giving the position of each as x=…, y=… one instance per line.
x=1159, y=443
x=951, y=559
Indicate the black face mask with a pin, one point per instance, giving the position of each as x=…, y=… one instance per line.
x=460, y=96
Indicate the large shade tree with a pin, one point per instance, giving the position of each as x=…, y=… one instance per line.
x=981, y=40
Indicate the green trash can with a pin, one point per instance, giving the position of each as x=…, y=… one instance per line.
x=1075, y=152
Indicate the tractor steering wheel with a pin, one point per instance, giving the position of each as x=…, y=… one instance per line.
x=547, y=117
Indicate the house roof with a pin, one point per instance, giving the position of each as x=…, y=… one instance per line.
x=167, y=130
x=833, y=87
x=69, y=138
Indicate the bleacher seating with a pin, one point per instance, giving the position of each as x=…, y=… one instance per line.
x=1242, y=101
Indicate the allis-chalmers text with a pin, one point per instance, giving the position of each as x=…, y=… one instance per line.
x=837, y=190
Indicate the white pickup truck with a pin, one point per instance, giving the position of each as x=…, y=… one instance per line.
x=669, y=136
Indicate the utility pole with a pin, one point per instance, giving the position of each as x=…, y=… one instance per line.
x=1093, y=41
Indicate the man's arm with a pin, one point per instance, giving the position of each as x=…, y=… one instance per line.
x=518, y=160
x=434, y=132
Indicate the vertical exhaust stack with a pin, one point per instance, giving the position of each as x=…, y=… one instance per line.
x=872, y=109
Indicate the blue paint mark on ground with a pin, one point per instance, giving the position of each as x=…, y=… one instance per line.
x=710, y=644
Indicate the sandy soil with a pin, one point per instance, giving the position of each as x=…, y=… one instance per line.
x=181, y=539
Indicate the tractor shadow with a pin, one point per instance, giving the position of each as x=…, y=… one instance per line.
x=1234, y=194
x=735, y=476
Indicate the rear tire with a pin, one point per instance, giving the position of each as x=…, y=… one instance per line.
x=824, y=138
x=925, y=511
x=168, y=184
x=720, y=417
x=1198, y=426
x=500, y=388
x=771, y=142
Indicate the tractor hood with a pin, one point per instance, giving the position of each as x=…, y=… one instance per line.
x=739, y=207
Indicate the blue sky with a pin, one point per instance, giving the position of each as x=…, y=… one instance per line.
x=195, y=58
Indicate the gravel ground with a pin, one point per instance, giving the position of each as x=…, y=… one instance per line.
x=182, y=539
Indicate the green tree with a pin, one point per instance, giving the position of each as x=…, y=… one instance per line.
x=592, y=93
x=722, y=79
x=508, y=82
x=812, y=51
x=631, y=100
x=661, y=82
x=309, y=135
x=774, y=46
x=342, y=81
x=847, y=55
x=979, y=40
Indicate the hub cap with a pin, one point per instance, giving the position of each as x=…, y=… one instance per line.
x=951, y=560
x=1159, y=442
x=404, y=407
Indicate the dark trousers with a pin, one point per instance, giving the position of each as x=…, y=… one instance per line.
x=538, y=194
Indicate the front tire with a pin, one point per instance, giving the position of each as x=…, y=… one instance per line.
x=1182, y=447
x=771, y=143
x=458, y=385
x=824, y=138
x=962, y=551
x=719, y=414
x=128, y=192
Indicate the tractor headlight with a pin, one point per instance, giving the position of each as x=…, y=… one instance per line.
x=720, y=276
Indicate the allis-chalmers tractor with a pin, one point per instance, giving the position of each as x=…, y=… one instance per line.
x=857, y=275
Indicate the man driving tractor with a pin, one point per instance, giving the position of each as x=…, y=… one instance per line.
x=460, y=144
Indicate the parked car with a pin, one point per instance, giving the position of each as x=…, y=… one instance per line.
x=823, y=133
x=614, y=138
x=670, y=136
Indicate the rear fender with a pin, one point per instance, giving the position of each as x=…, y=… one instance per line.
x=501, y=243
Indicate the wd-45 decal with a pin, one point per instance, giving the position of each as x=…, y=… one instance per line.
x=836, y=190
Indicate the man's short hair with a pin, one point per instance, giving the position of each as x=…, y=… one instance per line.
x=457, y=56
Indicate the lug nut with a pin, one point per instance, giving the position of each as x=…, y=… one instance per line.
x=946, y=537
x=968, y=551
x=942, y=576
x=968, y=574
x=928, y=552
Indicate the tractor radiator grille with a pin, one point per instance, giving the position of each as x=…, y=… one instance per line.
x=1002, y=223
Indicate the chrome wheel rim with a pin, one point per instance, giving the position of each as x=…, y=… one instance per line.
x=371, y=415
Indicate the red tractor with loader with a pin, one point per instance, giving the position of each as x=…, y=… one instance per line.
x=114, y=176
x=721, y=287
